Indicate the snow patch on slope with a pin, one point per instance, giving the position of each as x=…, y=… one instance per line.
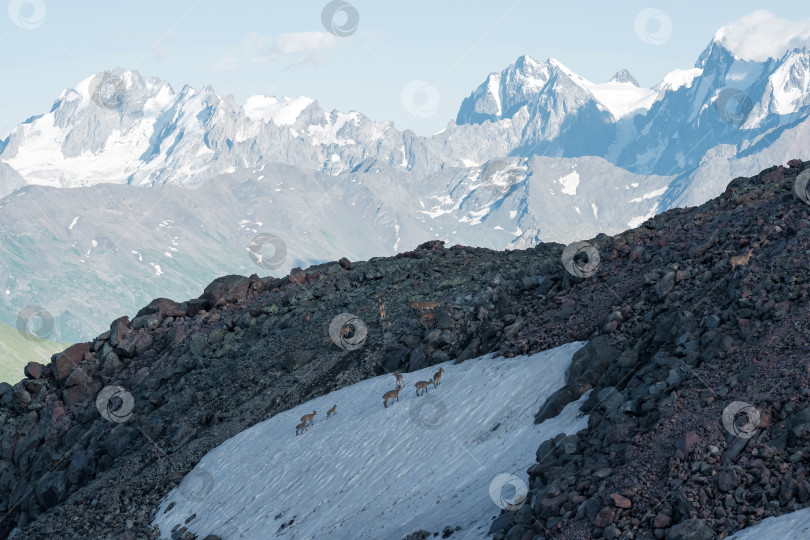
x=795, y=526
x=372, y=472
x=283, y=112
x=620, y=98
x=570, y=182
x=678, y=78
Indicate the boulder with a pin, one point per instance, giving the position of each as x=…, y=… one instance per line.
x=589, y=363
x=298, y=276
x=554, y=404
x=134, y=344
x=345, y=263
x=6, y=393
x=226, y=289
x=163, y=307
x=63, y=363
x=432, y=245
x=78, y=387
x=33, y=370
x=51, y=489
x=691, y=529
x=685, y=444
x=21, y=399
x=118, y=329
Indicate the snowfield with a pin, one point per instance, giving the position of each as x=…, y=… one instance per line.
x=374, y=473
x=795, y=526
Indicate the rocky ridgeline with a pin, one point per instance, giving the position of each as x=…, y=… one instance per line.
x=675, y=335
x=699, y=418
x=204, y=370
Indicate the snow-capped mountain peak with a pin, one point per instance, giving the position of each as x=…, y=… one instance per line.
x=760, y=35
x=624, y=76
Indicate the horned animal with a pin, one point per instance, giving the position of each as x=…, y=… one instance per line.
x=423, y=385
x=398, y=376
x=427, y=319
x=392, y=395
x=437, y=377
x=309, y=418
x=424, y=306
x=741, y=260
x=331, y=411
x=302, y=427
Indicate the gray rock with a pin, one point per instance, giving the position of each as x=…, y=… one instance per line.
x=665, y=285
x=691, y=529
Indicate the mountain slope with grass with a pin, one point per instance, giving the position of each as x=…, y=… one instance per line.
x=16, y=350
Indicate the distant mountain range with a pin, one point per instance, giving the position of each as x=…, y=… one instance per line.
x=536, y=153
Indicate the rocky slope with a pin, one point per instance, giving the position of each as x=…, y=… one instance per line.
x=675, y=335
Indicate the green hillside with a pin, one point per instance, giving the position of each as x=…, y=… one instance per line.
x=16, y=351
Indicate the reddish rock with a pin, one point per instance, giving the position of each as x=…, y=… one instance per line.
x=662, y=521
x=63, y=363
x=726, y=481
x=33, y=370
x=605, y=517
x=794, y=163
x=162, y=307
x=226, y=289
x=77, y=377
x=79, y=386
x=345, y=263
x=118, y=329
x=621, y=501
x=297, y=276
x=134, y=344
x=432, y=245
x=686, y=444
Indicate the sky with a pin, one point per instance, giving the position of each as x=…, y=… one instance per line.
x=408, y=62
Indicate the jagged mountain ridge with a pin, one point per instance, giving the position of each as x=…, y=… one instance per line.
x=150, y=135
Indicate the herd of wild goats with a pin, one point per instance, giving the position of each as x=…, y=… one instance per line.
x=393, y=395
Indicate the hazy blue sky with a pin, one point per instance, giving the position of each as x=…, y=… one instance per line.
x=282, y=48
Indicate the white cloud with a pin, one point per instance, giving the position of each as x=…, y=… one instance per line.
x=761, y=35
x=263, y=49
x=226, y=63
